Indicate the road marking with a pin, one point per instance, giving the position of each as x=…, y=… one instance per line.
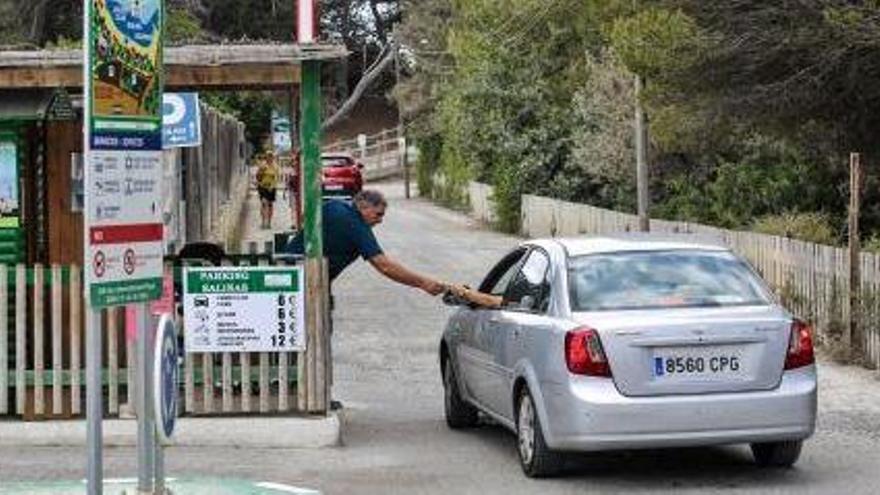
x=286, y=488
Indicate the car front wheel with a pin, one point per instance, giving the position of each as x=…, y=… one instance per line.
x=777, y=454
x=459, y=413
x=536, y=459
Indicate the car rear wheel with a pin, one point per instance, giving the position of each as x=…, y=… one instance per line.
x=459, y=413
x=777, y=454
x=536, y=459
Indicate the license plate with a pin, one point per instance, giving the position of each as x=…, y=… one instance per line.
x=697, y=361
x=334, y=187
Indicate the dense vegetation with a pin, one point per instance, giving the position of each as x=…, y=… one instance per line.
x=364, y=26
x=754, y=105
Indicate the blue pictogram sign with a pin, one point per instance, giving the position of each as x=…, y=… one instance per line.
x=181, y=120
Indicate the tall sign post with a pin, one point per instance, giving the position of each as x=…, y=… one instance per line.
x=310, y=141
x=123, y=231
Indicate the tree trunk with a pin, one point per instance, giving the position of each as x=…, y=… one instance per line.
x=37, y=31
x=368, y=78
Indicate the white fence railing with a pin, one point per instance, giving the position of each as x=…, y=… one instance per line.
x=812, y=279
x=382, y=154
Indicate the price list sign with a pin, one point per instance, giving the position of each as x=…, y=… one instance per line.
x=244, y=309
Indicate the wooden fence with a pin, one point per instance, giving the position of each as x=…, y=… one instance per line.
x=215, y=177
x=811, y=279
x=42, y=354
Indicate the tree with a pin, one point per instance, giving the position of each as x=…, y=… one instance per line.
x=782, y=64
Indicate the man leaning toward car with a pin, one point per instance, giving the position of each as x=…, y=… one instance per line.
x=348, y=234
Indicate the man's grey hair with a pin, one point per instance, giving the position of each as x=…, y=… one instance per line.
x=370, y=197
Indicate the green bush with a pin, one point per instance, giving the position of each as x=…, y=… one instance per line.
x=430, y=152
x=507, y=200
x=873, y=244
x=810, y=227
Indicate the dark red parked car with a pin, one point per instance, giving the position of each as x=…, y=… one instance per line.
x=341, y=174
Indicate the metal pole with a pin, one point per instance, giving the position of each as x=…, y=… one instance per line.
x=94, y=328
x=94, y=399
x=310, y=139
x=401, y=153
x=146, y=428
x=853, y=336
x=641, y=161
x=159, y=449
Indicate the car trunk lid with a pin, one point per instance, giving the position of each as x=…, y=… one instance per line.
x=693, y=350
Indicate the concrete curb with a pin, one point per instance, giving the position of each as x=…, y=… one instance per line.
x=253, y=432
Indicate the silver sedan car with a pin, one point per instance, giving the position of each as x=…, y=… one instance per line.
x=630, y=342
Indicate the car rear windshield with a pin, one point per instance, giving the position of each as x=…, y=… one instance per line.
x=662, y=279
x=335, y=161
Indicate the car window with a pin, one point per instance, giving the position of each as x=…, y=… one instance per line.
x=662, y=279
x=335, y=161
x=529, y=289
x=499, y=276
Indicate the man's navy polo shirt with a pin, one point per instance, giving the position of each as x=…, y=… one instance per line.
x=346, y=236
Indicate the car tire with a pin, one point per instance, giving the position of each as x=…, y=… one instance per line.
x=777, y=454
x=459, y=413
x=536, y=459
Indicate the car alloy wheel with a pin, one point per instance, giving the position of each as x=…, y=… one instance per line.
x=526, y=430
x=536, y=458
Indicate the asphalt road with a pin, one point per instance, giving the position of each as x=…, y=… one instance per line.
x=397, y=442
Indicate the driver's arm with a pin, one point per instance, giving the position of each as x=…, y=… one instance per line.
x=477, y=297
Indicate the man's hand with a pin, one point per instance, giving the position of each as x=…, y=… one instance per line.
x=434, y=287
x=397, y=272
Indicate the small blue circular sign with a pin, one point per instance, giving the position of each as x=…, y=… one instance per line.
x=166, y=375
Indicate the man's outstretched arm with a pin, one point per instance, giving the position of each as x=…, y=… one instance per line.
x=401, y=274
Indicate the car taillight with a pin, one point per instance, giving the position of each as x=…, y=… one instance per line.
x=800, y=346
x=584, y=354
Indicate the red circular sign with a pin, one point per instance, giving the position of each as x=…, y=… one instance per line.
x=128, y=261
x=100, y=264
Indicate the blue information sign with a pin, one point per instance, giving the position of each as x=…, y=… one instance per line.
x=181, y=120
x=165, y=375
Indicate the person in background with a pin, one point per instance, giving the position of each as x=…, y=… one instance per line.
x=267, y=183
x=291, y=180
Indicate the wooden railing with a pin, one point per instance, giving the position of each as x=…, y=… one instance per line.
x=42, y=354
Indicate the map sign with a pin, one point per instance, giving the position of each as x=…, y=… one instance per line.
x=126, y=61
x=244, y=309
x=123, y=167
